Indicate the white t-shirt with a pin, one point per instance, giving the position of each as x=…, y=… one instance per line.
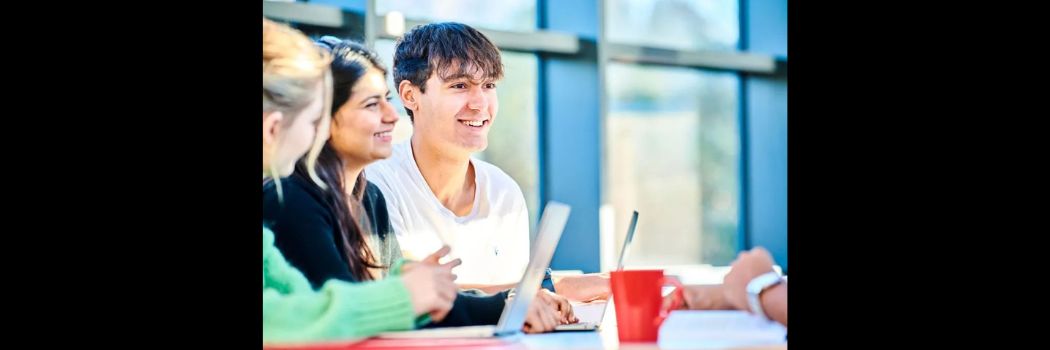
x=493, y=240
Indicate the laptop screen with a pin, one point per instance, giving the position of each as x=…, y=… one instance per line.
x=552, y=223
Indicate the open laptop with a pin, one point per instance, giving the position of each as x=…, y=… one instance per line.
x=555, y=215
x=593, y=323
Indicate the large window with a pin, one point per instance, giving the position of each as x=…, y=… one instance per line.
x=672, y=139
x=488, y=14
x=674, y=24
x=673, y=154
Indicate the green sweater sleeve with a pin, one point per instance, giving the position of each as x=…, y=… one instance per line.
x=292, y=311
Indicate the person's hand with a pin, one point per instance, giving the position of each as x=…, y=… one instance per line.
x=542, y=317
x=747, y=266
x=583, y=288
x=701, y=297
x=559, y=303
x=431, y=285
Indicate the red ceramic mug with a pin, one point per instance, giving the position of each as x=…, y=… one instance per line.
x=638, y=299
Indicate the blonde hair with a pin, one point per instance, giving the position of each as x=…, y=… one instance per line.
x=292, y=67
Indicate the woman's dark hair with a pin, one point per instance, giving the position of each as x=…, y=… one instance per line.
x=350, y=61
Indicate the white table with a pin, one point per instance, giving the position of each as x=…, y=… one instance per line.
x=606, y=338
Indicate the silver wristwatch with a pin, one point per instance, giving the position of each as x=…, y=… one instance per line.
x=757, y=286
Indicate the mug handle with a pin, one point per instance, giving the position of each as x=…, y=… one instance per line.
x=677, y=299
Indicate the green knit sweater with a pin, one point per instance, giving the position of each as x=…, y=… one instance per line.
x=293, y=312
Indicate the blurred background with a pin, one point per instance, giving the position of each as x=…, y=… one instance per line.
x=674, y=108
